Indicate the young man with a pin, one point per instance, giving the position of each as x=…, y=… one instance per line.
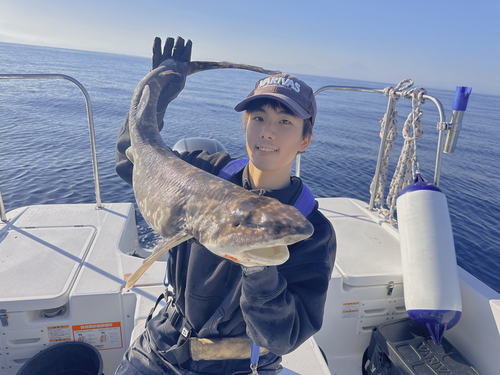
x=278, y=307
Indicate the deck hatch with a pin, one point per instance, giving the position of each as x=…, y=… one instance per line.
x=45, y=283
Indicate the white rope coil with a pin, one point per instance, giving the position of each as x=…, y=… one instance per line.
x=408, y=162
x=392, y=125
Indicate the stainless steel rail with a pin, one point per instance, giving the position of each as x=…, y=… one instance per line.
x=3, y=216
x=90, y=122
x=441, y=127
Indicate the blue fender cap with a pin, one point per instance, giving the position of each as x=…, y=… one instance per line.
x=419, y=183
x=436, y=321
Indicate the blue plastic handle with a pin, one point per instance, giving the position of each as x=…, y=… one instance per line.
x=462, y=94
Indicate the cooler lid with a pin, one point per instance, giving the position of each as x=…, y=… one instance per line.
x=40, y=265
x=368, y=252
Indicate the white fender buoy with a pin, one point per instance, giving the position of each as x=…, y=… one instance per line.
x=429, y=264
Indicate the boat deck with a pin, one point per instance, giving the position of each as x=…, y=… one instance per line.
x=64, y=269
x=63, y=274
x=366, y=289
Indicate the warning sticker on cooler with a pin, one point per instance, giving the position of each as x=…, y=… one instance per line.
x=350, y=310
x=100, y=335
x=59, y=333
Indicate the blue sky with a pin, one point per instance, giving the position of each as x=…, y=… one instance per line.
x=439, y=44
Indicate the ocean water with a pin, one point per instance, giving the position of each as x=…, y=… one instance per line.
x=45, y=153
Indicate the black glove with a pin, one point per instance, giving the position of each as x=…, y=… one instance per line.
x=180, y=53
x=176, y=58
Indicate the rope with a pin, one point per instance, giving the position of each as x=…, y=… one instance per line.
x=390, y=92
x=408, y=161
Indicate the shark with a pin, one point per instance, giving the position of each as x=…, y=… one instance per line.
x=180, y=201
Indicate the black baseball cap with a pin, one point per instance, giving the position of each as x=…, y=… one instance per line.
x=287, y=89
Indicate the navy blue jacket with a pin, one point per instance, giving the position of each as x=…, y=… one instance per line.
x=278, y=308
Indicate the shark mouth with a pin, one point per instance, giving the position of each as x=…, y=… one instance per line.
x=268, y=256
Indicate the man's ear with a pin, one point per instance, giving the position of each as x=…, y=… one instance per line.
x=305, y=143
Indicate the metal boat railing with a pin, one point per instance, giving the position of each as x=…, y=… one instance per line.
x=442, y=125
x=3, y=216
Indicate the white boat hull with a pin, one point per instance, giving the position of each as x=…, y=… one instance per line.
x=368, y=267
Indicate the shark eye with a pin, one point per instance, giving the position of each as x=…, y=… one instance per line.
x=237, y=224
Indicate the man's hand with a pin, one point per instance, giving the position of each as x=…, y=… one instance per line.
x=175, y=56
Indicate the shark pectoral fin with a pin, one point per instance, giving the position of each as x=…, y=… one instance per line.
x=128, y=153
x=158, y=251
x=161, y=248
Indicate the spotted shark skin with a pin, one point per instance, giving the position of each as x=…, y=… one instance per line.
x=180, y=201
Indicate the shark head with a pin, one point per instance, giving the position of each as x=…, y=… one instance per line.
x=255, y=230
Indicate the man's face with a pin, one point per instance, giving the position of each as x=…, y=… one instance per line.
x=274, y=138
